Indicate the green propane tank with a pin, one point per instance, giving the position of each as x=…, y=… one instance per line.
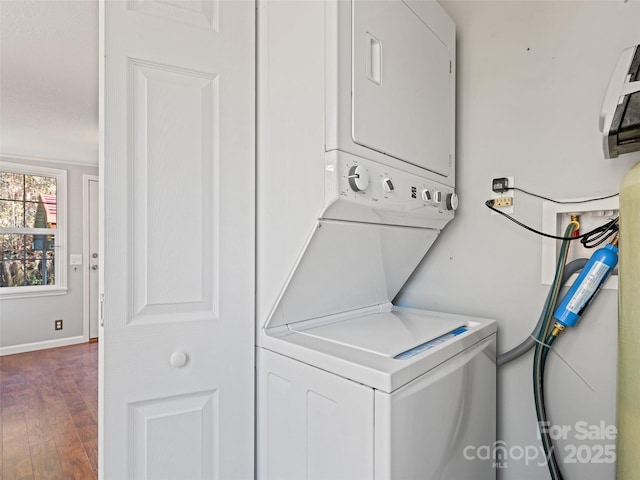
x=628, y=464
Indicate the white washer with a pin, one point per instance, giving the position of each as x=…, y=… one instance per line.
x=334, y=403
x=371, y=392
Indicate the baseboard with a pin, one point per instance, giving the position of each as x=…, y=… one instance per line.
x=32, y=347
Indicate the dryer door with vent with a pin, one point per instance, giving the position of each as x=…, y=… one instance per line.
x=402, y=86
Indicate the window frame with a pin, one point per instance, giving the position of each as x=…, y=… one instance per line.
x=60, y=233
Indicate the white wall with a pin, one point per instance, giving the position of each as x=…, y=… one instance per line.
x=531, y=77
x=27, y=323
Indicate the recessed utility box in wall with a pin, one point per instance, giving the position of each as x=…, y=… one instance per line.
x=556, y=217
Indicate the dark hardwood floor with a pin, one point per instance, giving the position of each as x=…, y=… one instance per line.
x=49, y=414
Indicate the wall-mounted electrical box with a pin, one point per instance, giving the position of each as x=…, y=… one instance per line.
x=556, y=217
x=502, y=194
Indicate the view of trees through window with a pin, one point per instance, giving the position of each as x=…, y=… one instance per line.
x=28, y=209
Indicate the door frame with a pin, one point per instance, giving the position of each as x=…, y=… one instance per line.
x=86, y=217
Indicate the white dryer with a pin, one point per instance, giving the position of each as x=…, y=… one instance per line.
x=356, y=178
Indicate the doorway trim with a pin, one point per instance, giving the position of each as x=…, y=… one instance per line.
x=86, y=219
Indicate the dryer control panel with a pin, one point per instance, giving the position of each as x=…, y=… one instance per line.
x=364, y=190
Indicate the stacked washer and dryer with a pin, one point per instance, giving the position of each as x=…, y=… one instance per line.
x=356, y=180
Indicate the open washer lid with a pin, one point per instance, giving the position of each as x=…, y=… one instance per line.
x=348, y=266
x=388, y=334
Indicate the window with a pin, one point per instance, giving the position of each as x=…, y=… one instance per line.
x=32, y=214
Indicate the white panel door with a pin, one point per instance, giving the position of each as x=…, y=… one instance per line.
x=177, y=357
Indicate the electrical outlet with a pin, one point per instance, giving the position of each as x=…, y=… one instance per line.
x=502, y=194
x=502, y=202
x=58, y=324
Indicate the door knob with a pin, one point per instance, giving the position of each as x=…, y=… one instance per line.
x=178, y=359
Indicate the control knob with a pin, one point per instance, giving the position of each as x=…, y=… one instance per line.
x=387, y=185
x=426, y=195
x=451, y=201
x=358, y=178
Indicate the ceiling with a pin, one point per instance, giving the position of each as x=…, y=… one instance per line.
x=49, y=79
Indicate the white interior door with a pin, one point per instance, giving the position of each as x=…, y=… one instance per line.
x=93, y=263
x=177, y=356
